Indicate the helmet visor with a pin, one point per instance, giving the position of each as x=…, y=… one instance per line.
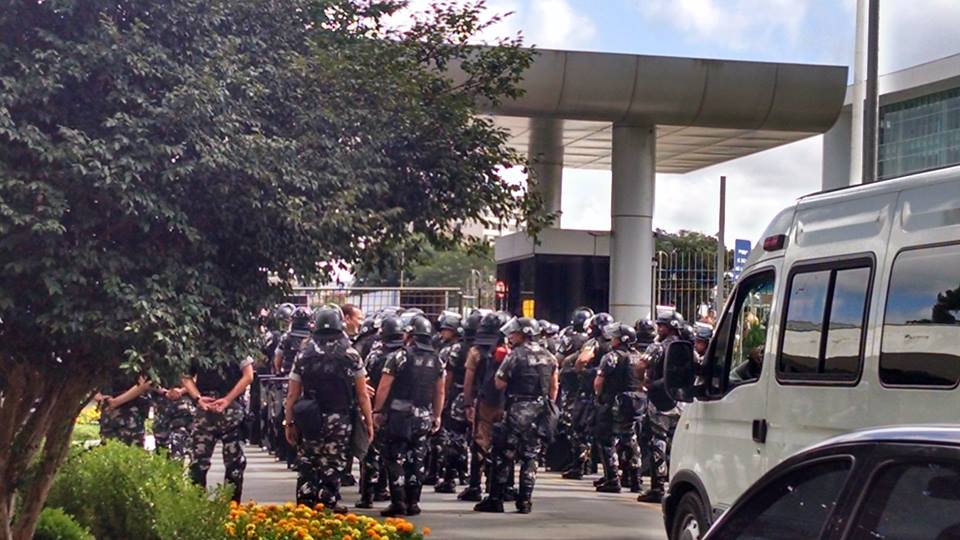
x=513, y=325
x=611, y=330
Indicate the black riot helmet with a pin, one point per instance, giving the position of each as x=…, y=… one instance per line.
x=548, y=328
x=596, y=324
x=580, y=317
x=472, y=323
x=646, y=330
x=624, y=332
x=284, y=312
x=702, y=332
x=686, y=332
x=670, y=318
x=369, y=326
x=301, y=318
x=328, y=322
x=390, y=327
x=419, y=326
x=489, y=331
x=528, y=327
x=449, y=321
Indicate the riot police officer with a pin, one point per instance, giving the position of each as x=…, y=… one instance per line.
x=218, y=392
x=327, y=383
x=367, y=336
x=701, y=339
x=290, y=344
x=669, y=325
x=409, y=402
x=584, y=407
x=528, y=376
x=449, y=445
x=373, y=474
x=173, y=413
x=646, y=334
x=484, y=401
x=619, y=387
x=570, y=342
x=124, y=407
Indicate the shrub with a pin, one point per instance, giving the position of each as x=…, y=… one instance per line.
x=123, y=492
x=298, y=522
x=55, y=524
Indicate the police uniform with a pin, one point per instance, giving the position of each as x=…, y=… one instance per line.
x=127, y=422
x=409, y=419
x=528, y=371
x=658, y=405
x=373, y=473
x=569, y=346
x=209, y=426
x=583, y=411
x=172, y=420
x=622, y=402
x=328, y=370
x=455, y=448
x=288, y=349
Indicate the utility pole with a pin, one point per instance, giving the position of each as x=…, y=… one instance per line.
x=721, y=248
x=871, y=108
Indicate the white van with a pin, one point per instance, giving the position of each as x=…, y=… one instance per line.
x=846, y=316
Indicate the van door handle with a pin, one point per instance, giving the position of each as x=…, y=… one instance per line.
x=760, y=431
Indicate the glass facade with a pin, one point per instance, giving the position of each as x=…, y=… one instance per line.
x=920, y=134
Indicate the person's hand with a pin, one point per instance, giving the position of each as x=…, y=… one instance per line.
x=173, y=394
x=378, y=419
x=108, y=402
x=371, y=391
x=291, y=434
x=469, y=412
x=98, y=397
x=436, y=424
x=220, y=405
x=205, y=403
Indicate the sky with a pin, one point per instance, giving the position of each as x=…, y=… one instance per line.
x=803, y=31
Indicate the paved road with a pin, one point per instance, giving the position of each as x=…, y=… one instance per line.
x=562, y=509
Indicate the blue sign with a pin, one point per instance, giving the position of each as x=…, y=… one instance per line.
x=741, y=250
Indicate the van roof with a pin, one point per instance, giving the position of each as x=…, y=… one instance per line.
x=883, y=186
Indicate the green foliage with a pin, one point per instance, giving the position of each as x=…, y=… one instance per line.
x=120, y=492
x=452, y=267
x=85, y=432
x=159, y=158
x=55, y=524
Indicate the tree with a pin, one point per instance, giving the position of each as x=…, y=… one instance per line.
x=158, y=158
x=453, y=267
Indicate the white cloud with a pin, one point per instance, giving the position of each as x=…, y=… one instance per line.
x=914, y=32
x=739, y=24
x=545, y=23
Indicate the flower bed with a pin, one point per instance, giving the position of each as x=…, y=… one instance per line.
x=298, y=522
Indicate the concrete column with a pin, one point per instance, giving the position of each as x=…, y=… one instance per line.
x=837, y=154
x=545, y=153
x=631, y=237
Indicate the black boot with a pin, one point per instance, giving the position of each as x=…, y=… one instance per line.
x=413, y=500
x=397, y=507
x=365, y=502
x=652, y=495
x=472, y=494
x=447, y=486
x=381, y=496
x=489, y=504
x=574, y=473
x=510, y=494
x=610, y=486
x=524, y=507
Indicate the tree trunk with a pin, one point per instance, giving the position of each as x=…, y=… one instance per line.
x=37, y=410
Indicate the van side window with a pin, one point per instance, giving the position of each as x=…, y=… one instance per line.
x=823, y=329
x=736, y=356
x=921, y=327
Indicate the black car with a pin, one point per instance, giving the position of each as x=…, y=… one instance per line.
x=889, y=483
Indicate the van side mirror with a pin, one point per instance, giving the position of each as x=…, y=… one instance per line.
x=680, y=370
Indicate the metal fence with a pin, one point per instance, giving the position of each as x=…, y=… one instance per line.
x=686, y=281
x=432, y=300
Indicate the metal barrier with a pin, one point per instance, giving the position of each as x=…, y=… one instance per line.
x=432, y=300
x=685, y=281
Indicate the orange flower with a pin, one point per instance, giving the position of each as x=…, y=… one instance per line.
x=426, y=531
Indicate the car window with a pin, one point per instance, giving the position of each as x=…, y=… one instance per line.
x=795, y=506
x=749, y=333
x=823, y=332
x=921, y=326
x=911, y=501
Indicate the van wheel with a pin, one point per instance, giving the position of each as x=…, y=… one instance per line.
x=690, y=521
